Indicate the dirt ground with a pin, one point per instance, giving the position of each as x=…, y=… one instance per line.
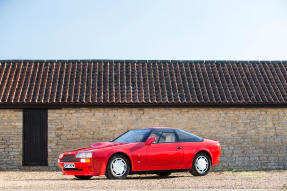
x=214, y=180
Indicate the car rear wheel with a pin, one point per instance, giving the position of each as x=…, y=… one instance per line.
x=201, y=165
x=83, y=177
x=118, y=167
x=164, y=174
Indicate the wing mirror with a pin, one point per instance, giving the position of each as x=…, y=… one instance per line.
x=150, y=141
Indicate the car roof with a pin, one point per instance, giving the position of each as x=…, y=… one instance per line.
x=159, y=128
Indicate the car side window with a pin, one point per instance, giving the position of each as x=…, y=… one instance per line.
x=167, y=137
x=187, y=137
x=155, y=134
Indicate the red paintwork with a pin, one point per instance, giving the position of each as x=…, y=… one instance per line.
x=161, y=156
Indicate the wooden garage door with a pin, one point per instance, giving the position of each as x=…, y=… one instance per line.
x=35, y=137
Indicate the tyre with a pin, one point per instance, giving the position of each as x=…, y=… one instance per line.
x=200, y=165
x=118, y=167
x=83, y=177
x=164, y=174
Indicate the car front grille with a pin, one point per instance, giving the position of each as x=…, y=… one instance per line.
x=69, y=158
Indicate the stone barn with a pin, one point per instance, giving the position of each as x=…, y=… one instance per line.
x=50, y=106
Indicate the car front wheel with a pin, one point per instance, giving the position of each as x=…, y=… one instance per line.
x=118, y=167
x=201, y=164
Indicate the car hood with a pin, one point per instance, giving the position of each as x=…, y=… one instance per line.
x=97, y=145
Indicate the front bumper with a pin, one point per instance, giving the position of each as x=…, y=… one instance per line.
x=84, y=169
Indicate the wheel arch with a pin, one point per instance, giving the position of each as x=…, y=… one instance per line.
x=206, y=152
x=122, y=153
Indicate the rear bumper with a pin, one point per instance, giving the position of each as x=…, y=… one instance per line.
x=215, y=161
x=216, y=156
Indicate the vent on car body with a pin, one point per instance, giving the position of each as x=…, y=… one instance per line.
x=69, y=158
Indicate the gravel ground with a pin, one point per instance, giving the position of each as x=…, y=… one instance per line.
x=215, y=180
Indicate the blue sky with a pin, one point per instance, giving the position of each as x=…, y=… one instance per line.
x=144, y=29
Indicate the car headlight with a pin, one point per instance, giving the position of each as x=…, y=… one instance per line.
x=84, y=155
x=61, y=155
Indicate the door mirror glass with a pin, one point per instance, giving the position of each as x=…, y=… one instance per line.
x=150, y=141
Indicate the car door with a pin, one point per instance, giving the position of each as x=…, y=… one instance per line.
x=166, y=152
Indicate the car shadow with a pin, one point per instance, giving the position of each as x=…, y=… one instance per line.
x=138, y=178
x=103, y=178
x=150, y=177
x=47, y=179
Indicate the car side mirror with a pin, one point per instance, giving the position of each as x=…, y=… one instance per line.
x=150, y=141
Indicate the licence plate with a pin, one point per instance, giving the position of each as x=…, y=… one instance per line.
x=69, y=165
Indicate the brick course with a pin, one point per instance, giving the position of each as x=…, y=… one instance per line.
x=251, y=138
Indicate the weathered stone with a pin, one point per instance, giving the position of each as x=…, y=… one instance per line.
x=251, y=138
x=11, y=138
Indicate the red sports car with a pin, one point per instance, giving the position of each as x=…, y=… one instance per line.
x=158, y=151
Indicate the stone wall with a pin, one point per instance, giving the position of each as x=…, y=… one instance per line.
x=251, y=138
x=10, y=139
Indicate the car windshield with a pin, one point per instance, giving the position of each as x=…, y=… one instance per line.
x=133, y=136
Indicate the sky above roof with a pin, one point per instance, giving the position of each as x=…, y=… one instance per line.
x=144, y=29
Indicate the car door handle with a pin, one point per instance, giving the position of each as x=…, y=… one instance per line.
x=178, y=147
